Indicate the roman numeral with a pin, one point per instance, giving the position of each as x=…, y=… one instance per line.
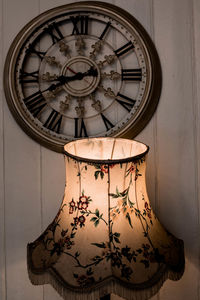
x=125, y=101
x=26, y=77
x=131, y=74
x=53, y=122
x=107, y=123
x=124, y=49
x=82, y=132
x=54, y=33
x=35, y=103
x=31, y=50
x=80, y=24
x=105, y=31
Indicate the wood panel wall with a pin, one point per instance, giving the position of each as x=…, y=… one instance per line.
x=32, y=177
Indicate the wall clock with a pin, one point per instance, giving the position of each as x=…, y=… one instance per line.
x=81, y=70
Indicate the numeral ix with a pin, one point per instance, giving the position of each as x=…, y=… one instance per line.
x=26, y=77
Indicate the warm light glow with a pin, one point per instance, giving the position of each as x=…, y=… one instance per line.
x=105, y=237
x=105, y=148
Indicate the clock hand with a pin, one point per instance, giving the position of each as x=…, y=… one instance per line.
x=65, y=79
x=62, y=80
x=71, y=70
x=48, y=77
x=78, y=76
x=68, y=68
x=91, y=72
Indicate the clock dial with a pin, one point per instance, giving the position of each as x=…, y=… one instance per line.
x=82, y=70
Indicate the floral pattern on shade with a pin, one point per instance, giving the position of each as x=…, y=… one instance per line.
x=122, y=256
x=101, y=170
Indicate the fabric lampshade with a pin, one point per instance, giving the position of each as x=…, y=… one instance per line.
x=105, y=237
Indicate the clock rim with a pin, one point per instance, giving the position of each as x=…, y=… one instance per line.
x=152, y=100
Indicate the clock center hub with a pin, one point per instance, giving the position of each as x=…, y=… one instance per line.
x=82, y=76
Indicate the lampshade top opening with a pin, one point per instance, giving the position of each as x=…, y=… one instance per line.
x=105, y=150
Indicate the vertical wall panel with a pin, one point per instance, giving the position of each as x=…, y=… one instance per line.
x=2, y=198
x=176, y=146
x=196, y=87
x=22, y=176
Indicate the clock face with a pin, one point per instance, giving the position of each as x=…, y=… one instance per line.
x=86, y=69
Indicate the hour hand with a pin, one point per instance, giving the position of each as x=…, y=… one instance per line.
x=65, y=79
x=78, y=76
x=91, y=72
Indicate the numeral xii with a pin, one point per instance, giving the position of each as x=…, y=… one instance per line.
x=80, y=24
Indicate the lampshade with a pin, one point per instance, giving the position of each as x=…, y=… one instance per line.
x=105, y=237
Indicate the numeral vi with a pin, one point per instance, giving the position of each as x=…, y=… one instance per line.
x=80, y=129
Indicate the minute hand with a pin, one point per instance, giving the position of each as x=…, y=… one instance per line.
x=65, y=79
x=78, y=76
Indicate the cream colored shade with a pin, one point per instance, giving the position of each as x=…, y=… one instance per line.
x=105, y=237
x=105, y=149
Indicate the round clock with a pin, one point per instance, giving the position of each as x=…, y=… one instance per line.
x=85, y=69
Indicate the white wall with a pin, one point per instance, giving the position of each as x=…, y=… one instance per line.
x=32, y=177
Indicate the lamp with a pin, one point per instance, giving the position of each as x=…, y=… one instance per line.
x=105, y=237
